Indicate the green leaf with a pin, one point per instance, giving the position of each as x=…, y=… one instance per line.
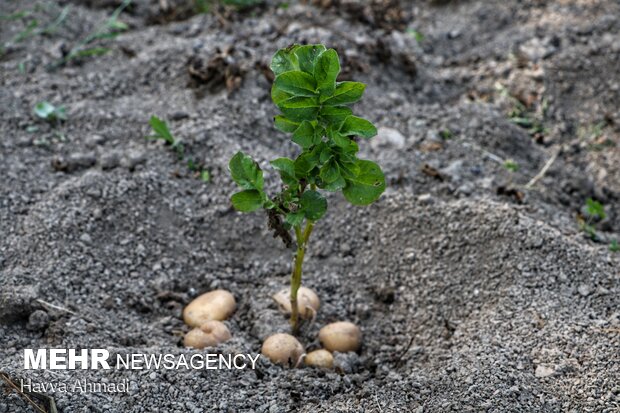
x=595, y=209
x=367, y=187
x=305, y=136
x=339, y=139
x=118, y=25
x=349, y=169
x=278, y=95
x=93, y=51
x=326, y=71
x=345, y=94
x=296, y=83
x=283, y=61
x=49, y=112
x=337, y=185
x=161, y=130
x=246, y=172
x=285, y=125
x=325, y=154
x=44, y=109
x=304, y=164
x=286, y=168
x=345, y=143
x=335, y=114
x=248, y=200
x=313, y=204
x=300, y=108
x=330, y=172
x=354, y=126
x=308, y=56
x=294, y=218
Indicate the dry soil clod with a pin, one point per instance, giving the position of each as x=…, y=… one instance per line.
x=210, y=334
x=341, y=336
x=283, y=349
x=214, y=305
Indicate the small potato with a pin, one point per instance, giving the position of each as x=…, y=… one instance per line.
x=308, y=302
x=341, y=336
x=320, y=358
x=214, y=305
x=283, y=349
x=210, y=334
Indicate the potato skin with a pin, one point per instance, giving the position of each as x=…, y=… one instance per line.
x=341, y=336
x=308, y=302
x=283, y=349
x=210, y=334
x=320, y=358
x=214, y=305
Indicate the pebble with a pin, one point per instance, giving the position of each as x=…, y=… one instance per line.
x=109, y=160
x=179, y=115
x=426, y=199
x=388, y=137
x=38, y=320
x=133, y=159
x=543, y=371
x=74, y=162
x=584, y=290
x=86, y=238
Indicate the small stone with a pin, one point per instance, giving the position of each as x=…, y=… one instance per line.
x=345, y=248
x=388, y=137
x=454, y=170
x=109, y=161
x=543, y=371
x=95, y=140
x=584, y=290
x=133, y=159
x=425, y=199
x=537, y=242
x=179, y=115
x=86, y=238
x=38, y=320
x=16, y=302
x=536, y=49
x=73, y=162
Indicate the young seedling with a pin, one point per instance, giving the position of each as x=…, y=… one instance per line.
x=417, y=35
x=594, y=210
x=528, y=117
x=446, y=134
x=88, y=46
x=614, y=246
x=49, y=112
x=316, y=112
x=162, y=132
x=511, y=165
x=32, y=27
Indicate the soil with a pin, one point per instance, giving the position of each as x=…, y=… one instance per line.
x=474, y=291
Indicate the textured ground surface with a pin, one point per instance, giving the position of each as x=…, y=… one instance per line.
x=469, y=299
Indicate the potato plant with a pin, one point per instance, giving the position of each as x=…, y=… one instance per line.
x=316, y=113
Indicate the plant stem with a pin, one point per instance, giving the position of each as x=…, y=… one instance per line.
x=302, y=242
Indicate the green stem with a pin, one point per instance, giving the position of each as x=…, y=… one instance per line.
x=302, y=242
